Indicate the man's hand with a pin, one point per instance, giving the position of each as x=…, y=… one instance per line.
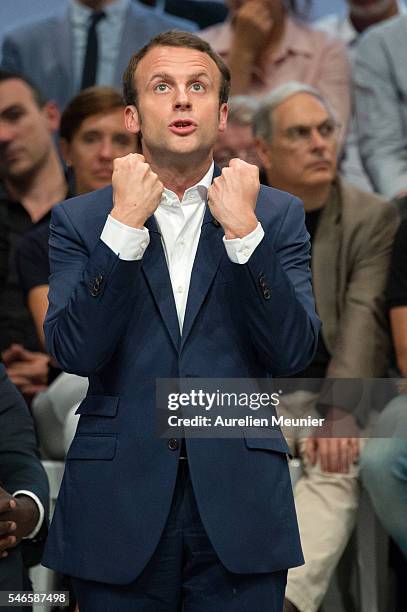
x=137, y=190
x=252, y=26
x=232, y=198
x=18, y=517
x=334, y=454
x=28, y=370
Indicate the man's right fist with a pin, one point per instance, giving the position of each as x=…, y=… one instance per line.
x=137, y=190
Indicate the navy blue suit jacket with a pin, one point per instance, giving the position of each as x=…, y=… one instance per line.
x=116, y=322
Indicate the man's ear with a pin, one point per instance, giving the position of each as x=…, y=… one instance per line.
x=263, y=152
x=52, y=115
x=132, y=119
x=223, y=117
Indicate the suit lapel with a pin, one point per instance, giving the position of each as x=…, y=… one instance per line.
x=155, y=270
x=325, y=265
x=207, y=260
x=63, y=49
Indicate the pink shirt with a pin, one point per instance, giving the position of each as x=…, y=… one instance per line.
x=306, y=55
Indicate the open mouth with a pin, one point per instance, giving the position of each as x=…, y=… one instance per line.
x=183, y=127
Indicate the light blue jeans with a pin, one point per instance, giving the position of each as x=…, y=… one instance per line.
x=384, y=469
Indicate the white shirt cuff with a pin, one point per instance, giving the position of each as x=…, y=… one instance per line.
x=40, y=510
x=129, y=243
x=239, y=250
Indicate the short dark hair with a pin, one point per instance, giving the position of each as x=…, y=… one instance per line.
x=40, y=99
x=91, y=101
x=174, y=39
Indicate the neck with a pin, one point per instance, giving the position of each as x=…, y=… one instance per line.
x=182, y=173
x=363, y=21
x=277, y=33
x=314, y=197
x=39, y=191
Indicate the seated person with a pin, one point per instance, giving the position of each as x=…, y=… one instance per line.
x=266, y=44
x=381, y=111
x=31, y=181
x=24, y=495
x=58, y=52
x=351, y=236
x=92, y=134
x=349, y=27
x=384, y=459
x=238, y=138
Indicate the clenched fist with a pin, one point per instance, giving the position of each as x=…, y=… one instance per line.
x=137, y=190
x=232, y=198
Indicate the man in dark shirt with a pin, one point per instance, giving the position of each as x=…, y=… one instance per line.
x=351, y=236
x=24, y=496
x=31, y=182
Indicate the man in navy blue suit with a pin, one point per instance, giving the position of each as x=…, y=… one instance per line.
x=173, y=273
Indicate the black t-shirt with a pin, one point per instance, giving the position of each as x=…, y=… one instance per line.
x=32, y=259
x=397, y=282
x=16, y=325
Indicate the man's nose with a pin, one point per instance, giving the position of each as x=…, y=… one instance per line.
x=106, y=149
x=182, y=100
x=6, y=132
x=317, y=141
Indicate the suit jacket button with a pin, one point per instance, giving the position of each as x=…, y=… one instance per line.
x=173, y=444
x=95, y=290
x=267, y=294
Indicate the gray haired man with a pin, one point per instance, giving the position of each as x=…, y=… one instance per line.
x=351, y=235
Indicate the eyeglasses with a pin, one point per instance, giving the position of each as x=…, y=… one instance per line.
x=303, y=133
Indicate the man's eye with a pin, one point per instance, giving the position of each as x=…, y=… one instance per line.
x=197, y=87
x=161, y=87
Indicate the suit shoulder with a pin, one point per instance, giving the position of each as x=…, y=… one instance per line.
x=272, y=203
x=390, y=30
x=33, y=31
x=364, y=205
x=88, y=204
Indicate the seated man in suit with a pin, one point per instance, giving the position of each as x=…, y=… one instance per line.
x=24, y=496
x=87, y=44
x=351, y=237
x=176, y=271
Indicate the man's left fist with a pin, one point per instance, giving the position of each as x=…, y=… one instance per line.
x=232, y=198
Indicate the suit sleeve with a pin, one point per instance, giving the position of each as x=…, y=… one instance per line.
x=20, y=466
x=91, y=297
x=362, y=347
x=277, y=296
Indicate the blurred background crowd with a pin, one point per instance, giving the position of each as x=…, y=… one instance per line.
x=319, y=103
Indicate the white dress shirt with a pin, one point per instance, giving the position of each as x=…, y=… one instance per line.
x=40, y=510
x=109, y=32
x=180, y=224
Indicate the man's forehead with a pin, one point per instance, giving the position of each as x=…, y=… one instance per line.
x=176, y=60
x=300, y=108
x=15, y=91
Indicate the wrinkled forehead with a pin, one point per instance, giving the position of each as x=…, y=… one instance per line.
x=177, y=62
x=300, y=109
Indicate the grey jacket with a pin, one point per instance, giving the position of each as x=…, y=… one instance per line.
x=380, y=80
x=42, y=51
